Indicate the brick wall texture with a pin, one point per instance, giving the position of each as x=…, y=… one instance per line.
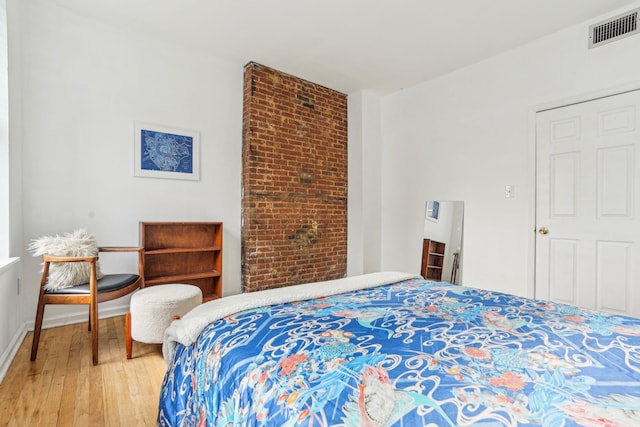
x=294, y=180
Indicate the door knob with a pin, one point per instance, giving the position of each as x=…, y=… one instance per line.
x=543, y=230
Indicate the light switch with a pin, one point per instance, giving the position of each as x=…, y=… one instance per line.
x=509, y=191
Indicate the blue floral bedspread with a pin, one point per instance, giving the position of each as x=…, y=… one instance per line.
x=409, y=354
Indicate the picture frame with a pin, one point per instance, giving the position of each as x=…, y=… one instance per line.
x=433, y=210
x=163, y=152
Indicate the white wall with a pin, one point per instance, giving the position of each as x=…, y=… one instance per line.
x=466, y=135
x=83, y=86
x=364, y=253
x=355, y=170
x=15, y=128
x=4, y=135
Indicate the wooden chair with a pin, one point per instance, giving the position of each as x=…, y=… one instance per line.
x=108, y=288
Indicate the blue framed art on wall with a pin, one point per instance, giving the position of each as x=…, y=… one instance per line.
x=162, y=152
x=433, y=210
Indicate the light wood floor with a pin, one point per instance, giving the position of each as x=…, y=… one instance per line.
x=62, y=387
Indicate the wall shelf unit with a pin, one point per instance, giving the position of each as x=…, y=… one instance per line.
x=183, y=252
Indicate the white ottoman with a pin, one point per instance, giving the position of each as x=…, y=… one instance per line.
x=152, y=310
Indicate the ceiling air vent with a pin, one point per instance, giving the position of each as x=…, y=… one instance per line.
x=614, y=29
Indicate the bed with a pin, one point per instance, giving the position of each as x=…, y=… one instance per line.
x=393, y=349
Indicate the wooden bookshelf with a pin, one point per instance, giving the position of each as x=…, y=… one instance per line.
x=432, y=259
x=183, y=252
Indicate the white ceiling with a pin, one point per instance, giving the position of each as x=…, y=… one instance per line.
x=349, y=45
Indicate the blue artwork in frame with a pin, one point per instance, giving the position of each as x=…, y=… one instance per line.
x=433, y=210
x=166, y=153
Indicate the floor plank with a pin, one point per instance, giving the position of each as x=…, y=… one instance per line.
x=63, y=388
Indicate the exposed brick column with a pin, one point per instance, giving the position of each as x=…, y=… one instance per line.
x=294, y=181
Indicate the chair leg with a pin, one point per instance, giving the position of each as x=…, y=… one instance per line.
x=37, y=327
x=127, y=334
x=93, y=323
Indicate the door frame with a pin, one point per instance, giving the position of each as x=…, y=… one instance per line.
x=532, y=164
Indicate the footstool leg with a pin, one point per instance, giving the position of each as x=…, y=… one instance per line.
x=127, y=334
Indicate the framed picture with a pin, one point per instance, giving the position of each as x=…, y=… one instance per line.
x=433, y=210
x=162, y=152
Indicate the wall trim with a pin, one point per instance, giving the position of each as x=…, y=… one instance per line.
x=71, y=319
x=586, y=97
x=10, y=353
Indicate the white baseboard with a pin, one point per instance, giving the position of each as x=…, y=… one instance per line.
x=7, y=357
x=70, y=319
x=9, y=354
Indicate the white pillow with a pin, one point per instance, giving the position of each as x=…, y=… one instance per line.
x=67, y=274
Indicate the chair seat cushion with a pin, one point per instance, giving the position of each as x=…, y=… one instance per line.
x=109, y=282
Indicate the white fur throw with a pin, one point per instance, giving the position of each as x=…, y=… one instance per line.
x=68, y=274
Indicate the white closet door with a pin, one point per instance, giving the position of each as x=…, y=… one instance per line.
x=587, y=195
